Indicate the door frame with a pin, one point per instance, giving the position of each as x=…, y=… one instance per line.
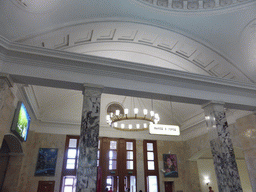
x=172, y=182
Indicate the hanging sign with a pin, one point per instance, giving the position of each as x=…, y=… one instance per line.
x=164, y=129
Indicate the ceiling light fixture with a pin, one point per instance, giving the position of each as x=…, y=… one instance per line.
x=134, y=117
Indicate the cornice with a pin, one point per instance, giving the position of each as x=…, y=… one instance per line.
x=194, y=86
x=23, y=53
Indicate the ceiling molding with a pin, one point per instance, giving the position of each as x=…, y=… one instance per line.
x=195, y=5
x=201, y=57
x=32, y=100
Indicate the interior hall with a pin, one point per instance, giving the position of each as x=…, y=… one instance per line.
x=128, y=96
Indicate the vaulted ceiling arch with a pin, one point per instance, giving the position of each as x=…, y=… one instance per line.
x=139, y=43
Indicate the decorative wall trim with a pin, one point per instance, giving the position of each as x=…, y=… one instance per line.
x=198, y=56
x=194, y=5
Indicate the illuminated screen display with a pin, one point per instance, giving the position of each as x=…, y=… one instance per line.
x=21, y=122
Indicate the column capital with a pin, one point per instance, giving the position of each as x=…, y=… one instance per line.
x=92, y=89
x=6, y=78
x=212, y=104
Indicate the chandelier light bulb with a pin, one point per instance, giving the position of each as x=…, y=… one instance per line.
x=131, y=119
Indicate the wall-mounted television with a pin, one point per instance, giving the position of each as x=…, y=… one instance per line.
x=21, y=122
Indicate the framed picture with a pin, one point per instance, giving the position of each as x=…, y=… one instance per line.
x=170, y=165
x=46, y=162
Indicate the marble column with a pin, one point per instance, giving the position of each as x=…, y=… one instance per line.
x=222, y=149
x=88, y=143
x=6, y=105
x=247, y=137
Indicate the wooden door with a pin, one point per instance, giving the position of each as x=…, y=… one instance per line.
x=46, y=186
x=168, y=185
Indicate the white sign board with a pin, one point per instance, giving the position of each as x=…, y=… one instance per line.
x=164, y=129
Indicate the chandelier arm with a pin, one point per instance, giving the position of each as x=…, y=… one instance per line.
x=130, y=129
x=132, y=118
x=123, y=101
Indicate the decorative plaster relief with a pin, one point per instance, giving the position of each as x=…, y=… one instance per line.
x=147, y=38
x=186, y=50
x=204, y=59
x=193, y=5
x=63, y=42
x=106, y=34
x=166, y=43
x=162, y=3
x=220, y=70
x=195, y=53
x=79, y=37
x=128, y=35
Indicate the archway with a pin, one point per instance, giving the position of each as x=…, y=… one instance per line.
x=10, y=154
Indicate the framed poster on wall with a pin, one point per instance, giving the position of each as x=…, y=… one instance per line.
x=170, y=165
x=46, y=162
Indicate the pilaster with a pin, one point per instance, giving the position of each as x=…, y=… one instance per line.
x=6, y=105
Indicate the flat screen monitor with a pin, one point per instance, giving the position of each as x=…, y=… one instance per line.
x=21, y=122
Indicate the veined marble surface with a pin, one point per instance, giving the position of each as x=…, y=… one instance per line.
x=88, y=143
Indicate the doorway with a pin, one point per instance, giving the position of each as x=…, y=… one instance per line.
x=10, y=153
x=46, y=186
x=168, y=185
x=117, y=159
x=129, y=183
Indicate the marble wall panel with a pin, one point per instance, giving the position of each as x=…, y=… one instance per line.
x=27, y=180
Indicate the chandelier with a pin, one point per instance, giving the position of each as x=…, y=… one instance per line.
x=134, y=117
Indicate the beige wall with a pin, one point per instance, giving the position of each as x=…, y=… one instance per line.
x=187, y=180
x=12, y=174
x=206, y=169
x=27, y=181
